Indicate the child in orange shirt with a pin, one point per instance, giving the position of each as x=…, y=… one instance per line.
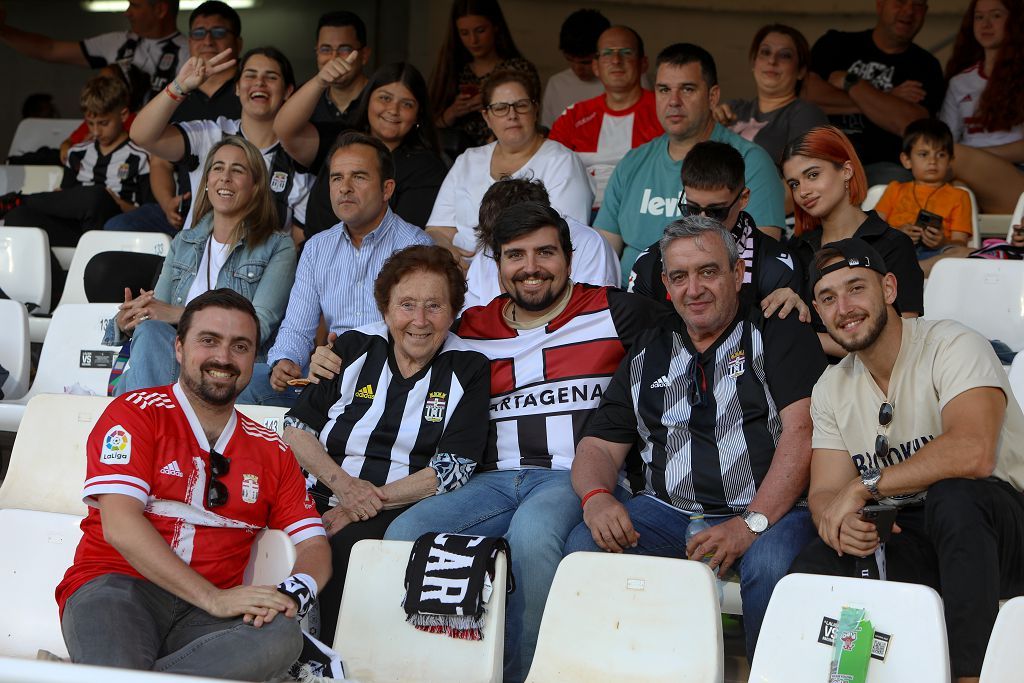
x=932, y=212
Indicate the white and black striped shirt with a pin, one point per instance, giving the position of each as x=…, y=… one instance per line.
x=125, y=170
x=159, y=57
x=380, y=426
x=709, y=457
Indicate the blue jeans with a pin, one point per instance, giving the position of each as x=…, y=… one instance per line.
x=153, y=363
x=146, y=218
x=260, y=393
x=534, y=509
x=662, y=532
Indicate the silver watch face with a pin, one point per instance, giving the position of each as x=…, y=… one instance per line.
x=756, y=521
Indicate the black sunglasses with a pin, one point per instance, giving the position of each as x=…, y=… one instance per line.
x=718, y=213
x=217, y=491
x=885, y=415
x=697, y=381
x=218, y=32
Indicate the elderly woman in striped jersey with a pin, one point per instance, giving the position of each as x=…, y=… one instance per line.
x=405, y=418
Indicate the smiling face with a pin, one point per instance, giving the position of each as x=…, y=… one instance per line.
x=854, y=305
x=392, y=113
x=990, y=17
x=775, y=67
x=534, y=270
x=683, y=100
x=477, y=35
x=261, y=88
x=513, y=129
x=357, y=194
x=703, y=288
x=418, y=317
x=818, y=186
x=229, y=184
x=208, y=46
x=217, y=354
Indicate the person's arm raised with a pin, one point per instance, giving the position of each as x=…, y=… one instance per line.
x=38, y=46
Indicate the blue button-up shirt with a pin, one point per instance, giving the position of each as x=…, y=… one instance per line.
x=335, y=278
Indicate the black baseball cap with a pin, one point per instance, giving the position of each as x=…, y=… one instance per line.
x=855, y=252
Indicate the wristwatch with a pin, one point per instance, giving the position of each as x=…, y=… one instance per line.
x=849, y=80
x=870, y=478
x=755, y=521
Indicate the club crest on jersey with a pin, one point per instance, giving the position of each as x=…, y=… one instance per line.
x=737, y=363
x=166, y=62
x=250, y=488
x=117, y=446
x=122, y=172
x=278, y=181
x=436, y=402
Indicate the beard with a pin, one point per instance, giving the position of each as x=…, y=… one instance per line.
x=215, y=395
x=876, y=324
x=540, y=301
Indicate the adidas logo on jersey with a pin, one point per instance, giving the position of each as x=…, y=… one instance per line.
x=365, y=392
x=172, y=469
x=661, y=382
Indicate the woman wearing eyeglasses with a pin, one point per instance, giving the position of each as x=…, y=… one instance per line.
x=404, y=417
x=519, y=151
x=828, y=184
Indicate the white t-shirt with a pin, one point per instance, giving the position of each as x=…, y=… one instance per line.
x=962, y=98
x=593, y=263
x=215, y=255
x=938, y=360
x=565, y=89
x=458, y=201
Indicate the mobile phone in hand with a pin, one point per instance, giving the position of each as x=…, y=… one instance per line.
x=928, y=220
x=883, y=517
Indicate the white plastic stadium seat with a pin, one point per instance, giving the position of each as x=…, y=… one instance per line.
x=271, y=417
x=1017, y=378
x=33, y=671
x=25, y=265
x=985, y=294
x=14, y=349
x=874, y=194
x=1017, y=217
x=30, y=179
x=377, y=644
x=630, y=618
x=975, y=241
x=1004, y=658
x=788, y=650
x=97, y=241
x=33, y=133
x=72, y=355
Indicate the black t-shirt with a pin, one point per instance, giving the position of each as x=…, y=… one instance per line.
x=770, y=266
x=858, y=54
x=892, y=245
x=200, y=106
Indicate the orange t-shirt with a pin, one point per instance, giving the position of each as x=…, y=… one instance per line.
x=902, y=201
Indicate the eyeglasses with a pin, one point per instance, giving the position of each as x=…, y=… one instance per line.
x=343, y=50
x=610, y=52
x=718, y=213
x=217, y=33
x=885, y=415
x=217, y=491
x=523, y=106
x=697, y=381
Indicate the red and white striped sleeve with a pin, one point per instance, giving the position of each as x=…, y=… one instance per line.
x=119, y=455
x=293, y=510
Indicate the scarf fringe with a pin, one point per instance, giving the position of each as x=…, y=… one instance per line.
x=463, y=627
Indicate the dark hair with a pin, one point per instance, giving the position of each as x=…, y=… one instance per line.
x=711, y=165
x=503, y=194
x=803, y=49
x=524, y=218
x=424, y=133
x=216, y=8
x=930, y=130
x=37, y=104
x=273, y=53
x=523, y=78
x=829, y=144
x=636, y=36
x=172, y=5
x=453, y=55
x=343, y=18
x=420, y=257
x=681, y=54
x=580, y=31
x=385, y=161
x=217, y=298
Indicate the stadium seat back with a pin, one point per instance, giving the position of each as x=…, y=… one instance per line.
x=25, y=265
x=1017, y=378
x=630, y=618
x=1004, y=658
x=271, y=417
x=789, y=651
x=1017, y=217
x=271, y=559
x=985, y=294
x=873, y=196
x=975, y=241
x=376, y=643
x=97, y=241
x=15, y=356
x=41, y=671
x=33, y=133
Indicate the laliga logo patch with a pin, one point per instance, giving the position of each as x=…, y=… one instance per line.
x=435, y=405
x=278, y=181
x=117, y=446
x=250, y=488
x=737, y=363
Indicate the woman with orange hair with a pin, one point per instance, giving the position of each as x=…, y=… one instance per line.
x=828, y=184
x=984, y=107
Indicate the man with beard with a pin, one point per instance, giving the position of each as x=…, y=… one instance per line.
x=919, y=416
x=719, y=400
x=178, y=483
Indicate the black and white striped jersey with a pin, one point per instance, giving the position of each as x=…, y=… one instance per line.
x=709, y=422
x=380, y=426
x=125, y=170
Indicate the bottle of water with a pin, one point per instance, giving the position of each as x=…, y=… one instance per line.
x=698, y=524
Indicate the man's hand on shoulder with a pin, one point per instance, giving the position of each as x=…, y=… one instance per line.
x=726, y=542
x=784, y=300
x=609, y=523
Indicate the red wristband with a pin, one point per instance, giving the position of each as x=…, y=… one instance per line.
x=173, y=95
x=587, y=497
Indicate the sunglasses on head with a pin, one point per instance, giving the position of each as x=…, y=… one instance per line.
x=216, y=490
x=885, y=415
x=718, y=213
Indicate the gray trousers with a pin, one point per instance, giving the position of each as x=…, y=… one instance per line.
x=120, y=621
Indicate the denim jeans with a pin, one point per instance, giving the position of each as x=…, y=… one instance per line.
x=260, y=393
x=534, y=509
x=662, y=532
x=120, y=621
x=153, y=363
x=146, y=218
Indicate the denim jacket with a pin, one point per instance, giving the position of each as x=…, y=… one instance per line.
x=263, y=275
